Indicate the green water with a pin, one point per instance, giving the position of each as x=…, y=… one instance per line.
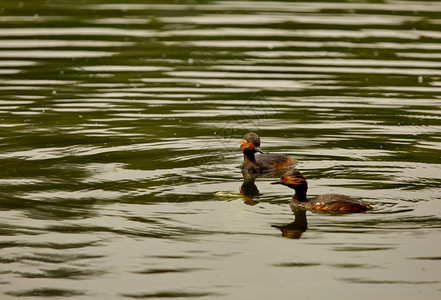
x=120, y=125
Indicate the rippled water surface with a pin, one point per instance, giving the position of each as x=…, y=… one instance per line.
x=120, y=125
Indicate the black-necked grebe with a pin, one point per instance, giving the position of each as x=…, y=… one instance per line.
x=261, y=162
x=323, y=203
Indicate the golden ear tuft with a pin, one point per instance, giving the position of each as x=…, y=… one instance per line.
x=294, y=180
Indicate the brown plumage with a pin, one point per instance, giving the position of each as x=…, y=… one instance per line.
x=324, y=203
x=261, y=161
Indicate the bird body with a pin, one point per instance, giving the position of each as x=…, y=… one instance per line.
x=324, y=203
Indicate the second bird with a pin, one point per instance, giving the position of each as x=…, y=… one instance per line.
x=262, y=161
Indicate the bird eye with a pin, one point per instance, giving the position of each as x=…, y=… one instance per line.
x=284, y=179
x=251, y=145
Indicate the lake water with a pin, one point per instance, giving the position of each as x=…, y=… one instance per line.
x=120, y=127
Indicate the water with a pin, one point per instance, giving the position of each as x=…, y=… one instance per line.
x=120, y=128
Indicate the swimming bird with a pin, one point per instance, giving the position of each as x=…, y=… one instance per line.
x=324, y=203
x=262, y=161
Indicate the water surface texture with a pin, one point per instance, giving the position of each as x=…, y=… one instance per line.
x=120, y=125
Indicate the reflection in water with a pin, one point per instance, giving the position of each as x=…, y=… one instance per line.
x=250, y=195
x=294, y=229
x=248, y=190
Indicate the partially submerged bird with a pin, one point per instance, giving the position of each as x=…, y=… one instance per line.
x=262, y=162
x=332, y=203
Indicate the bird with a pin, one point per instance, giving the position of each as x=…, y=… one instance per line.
x=262, y=161
x=331, y=203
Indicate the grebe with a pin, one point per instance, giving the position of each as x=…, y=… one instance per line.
x=261, y=162
x=323, y=203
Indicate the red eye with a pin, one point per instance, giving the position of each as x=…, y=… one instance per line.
x=284, y=179
x=251, y=145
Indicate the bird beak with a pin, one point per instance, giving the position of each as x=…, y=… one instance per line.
x=277, y=182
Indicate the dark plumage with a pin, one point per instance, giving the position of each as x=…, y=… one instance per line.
x=261, y=161
x=323, y=203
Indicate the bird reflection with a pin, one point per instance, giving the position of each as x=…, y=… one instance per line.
x=248, y=190
x=294, y=230
x=250, y=195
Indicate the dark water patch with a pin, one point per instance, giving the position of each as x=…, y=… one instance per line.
x=170, y=257
x=354, y=266
x=177, y=294
x=60, y=246
x=159, y=231
x=10, y=230
x=164, y=271
x=427, y=258
x=54, y=258
x=387, y=281
x=77, y=229
x=64, y=273
x=297, y=264
x=51, y=258
x=5, y=260
x=46, y=292
x=9, y=244
x=141, y=219
x=362, y=249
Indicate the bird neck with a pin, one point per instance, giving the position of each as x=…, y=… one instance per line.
x=249, y=156
x=249, y=162
x=300, y=194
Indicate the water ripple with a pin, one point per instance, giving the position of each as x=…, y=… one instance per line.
x=120, y=131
